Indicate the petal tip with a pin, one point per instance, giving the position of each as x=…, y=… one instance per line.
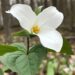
x=58, y=50
x=7, y=11
x=53, y=7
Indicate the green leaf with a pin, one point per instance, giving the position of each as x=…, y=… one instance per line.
x=25, y=64
x=50, y=68
x=66, y=47
x=6, y=48
x=20, y=46
x=1, y=72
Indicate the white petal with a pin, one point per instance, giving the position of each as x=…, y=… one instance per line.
x=24, y=14
x=50, y=17
x=52, y=40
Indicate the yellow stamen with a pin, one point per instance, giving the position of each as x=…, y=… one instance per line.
x=35, y=29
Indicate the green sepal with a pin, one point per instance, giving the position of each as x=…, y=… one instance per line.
x=23, y=33
x=38, y=10
x=66, y=49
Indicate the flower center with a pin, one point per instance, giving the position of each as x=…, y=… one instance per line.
x=35, y=29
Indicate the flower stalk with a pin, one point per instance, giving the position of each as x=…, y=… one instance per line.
x=28, y=45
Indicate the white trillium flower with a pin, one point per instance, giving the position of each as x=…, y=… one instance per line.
x=43, y=25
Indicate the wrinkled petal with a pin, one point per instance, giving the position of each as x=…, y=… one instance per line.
x=24, y=14
x=51, y=39
x=50, y=18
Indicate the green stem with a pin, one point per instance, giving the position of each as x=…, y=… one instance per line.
x=27, y=45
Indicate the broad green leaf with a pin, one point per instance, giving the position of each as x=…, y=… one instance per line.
x=25, y=64
x=66, y=47
x=7, y=48
x=9, y=60
x=1, y=72
x=20, y=46
x=50, y=68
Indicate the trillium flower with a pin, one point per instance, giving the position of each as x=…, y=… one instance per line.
x=43, y=25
